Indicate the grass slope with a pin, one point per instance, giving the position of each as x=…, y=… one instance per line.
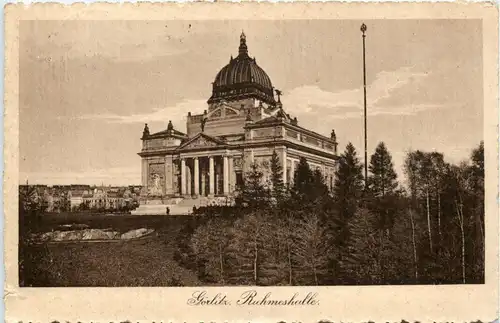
x=143, y=262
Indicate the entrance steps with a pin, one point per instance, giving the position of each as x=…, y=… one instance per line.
x=180, y=206
x=161, y=209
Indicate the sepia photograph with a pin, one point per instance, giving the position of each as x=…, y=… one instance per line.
x=251, y=153
x=251, y=162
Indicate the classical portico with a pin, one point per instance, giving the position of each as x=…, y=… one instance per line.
x=207, y=175
x=243, y=124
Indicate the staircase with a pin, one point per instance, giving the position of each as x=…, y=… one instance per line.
x=178, y=206
x=155, y=208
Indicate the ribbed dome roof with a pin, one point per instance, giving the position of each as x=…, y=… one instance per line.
x=242, y=77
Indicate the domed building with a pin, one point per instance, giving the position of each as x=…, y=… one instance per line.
x=244, y=123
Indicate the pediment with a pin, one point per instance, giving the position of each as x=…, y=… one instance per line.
x=202, y=141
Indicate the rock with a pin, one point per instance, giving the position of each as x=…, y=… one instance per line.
x=91, y=234
x=136, y=233
x=98, y=234
x=74, y=226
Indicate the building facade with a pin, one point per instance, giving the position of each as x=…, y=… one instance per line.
x=244, y=123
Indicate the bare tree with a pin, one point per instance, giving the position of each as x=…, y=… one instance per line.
x=251, y=234
x=211, y=245
x=311, y=248
x=414, y=244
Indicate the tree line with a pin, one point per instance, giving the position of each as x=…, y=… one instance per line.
x=428, y=229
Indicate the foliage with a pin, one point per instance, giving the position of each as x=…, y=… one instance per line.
x=382, y=188
x=254, y=193
x=432, y=232
x=211, y=245
x=428, y=229
x=277, y=185
x=33, y=259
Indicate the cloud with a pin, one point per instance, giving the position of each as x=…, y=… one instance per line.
x=121, y=40
x=307, y=102
x=177, y=113
x=349, y=103
x=109, y=176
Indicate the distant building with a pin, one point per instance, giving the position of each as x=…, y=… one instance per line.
x=71, y=197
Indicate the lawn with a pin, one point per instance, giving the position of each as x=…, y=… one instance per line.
x=144, y=262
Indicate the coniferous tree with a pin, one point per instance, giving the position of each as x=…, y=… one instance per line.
x=348, y=182
x=382, y=186
x=303, y=180
x=347, y=192
x=278, y=187
x=254, y=193
x=382, y=180
x=320, y=189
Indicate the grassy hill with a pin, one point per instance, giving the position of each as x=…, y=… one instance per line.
x=144, y=262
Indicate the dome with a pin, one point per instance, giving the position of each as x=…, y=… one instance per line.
x=242, y=78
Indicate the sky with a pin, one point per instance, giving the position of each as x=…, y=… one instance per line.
x=88, y=87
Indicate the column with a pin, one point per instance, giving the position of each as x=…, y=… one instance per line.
x=225, y=172
x=169, y=175
x=196, y=177
x=183, y=177
x=203, y=183
x=189, y=176
x=232, y=175
x=211, y=174
x=292, y=171
x=283, y=164
x=144, y=175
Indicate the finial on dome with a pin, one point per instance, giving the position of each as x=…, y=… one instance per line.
x=243, y=50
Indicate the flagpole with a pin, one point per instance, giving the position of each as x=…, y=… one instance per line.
x=363, y=30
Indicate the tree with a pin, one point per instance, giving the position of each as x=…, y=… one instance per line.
x=29, y=200
x=348, y=186
x=418, y=165
x=211, y=245
x=460, y=175
x=382, y=186
x=319, y=187
x=347, y=192
x=477, y=189
x=375, y=258
x=285, y=234
x=250, y=242
x=278, y=187
x=382, y=180
x=254, y=193
x=437, y=172
x=311, y=249
x=34, y=260
x=303, y=181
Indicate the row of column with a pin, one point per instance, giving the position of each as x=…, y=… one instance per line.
x=211, y=174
